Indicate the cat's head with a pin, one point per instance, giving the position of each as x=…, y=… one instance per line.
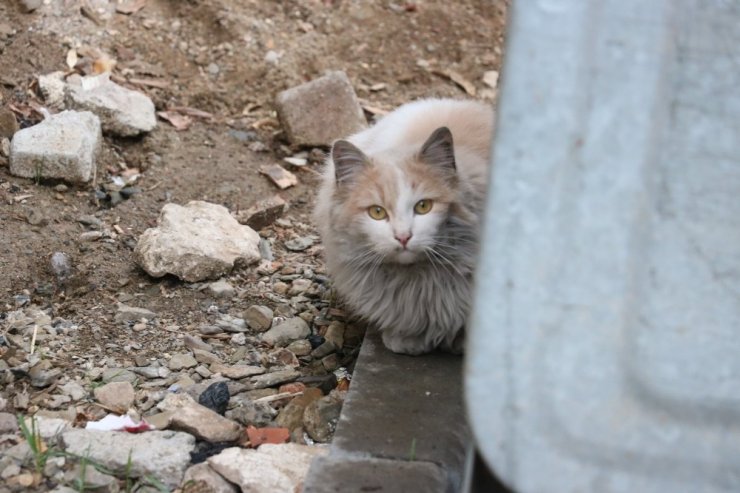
x=393, y=205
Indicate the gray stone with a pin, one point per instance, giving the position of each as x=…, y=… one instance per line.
x=281, y=467
x=188, y=415
x=63, y=146
x=196, y=242
x=239, y=339
x=361, y=474
x=8, y=423
x=125, y=313
x=299, y=244
x=258, y=317
x=291, y=416
x=48, y=428
x=231, y=324
x=236, y=371
x=8, y=124
x=286, y=332
x=320, y=417
x=201, y=478
x=92, y=479
x=43, y=374
x=194, y=342
x=162, y=454
x=263, y=213
x=299, y=286
x=123, y=112
x=318, y=112
x=221, y=289
x=29, y=6
x=182, y=361
x=274, y=378
x=152, y=372
x=250, y=413
x=327, y=347
x=115, y=396
x=335, y=334
x=301, y=347
x=74, y=390
x=118, y=375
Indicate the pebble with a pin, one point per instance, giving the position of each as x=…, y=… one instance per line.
x=115, y=396
x=321, y=416
x=60, y=266
x=125, y=313
x=299, y=286
x=299, y=244
x=258, y=317
x=74, y=390
x=291, y=416
x=201, y=478
x=236, y=372
x=250, y=413
x=301, y=347
x=194, y=342
x=118, y=375
x=231, y=324
x=274, y=378
x=286, y=332
x=335, y=334
x=238, y=339
x=182, y=361
x=44, y=374
x=8, y=423
x=198, y=420
x=326, y=348
x=221, y=289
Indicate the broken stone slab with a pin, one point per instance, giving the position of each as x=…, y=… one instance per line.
x=196, y=242
x=318, y=112
x=188, y=415
x=162, y=454
x=279, y=176
x=273, y=379
x=281, y=467
x=286, y=332
x=263, y=213
x=123, y=112
x=63, y=146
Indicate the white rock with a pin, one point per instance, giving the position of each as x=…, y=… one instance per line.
x=202, y=422
x=286, y=332
x=51, y=87
x=48, y=428
x=162, y=454
x=196, y=242
x=63, y=146
x=123, y=112
x=269, y=469
x=221, y=289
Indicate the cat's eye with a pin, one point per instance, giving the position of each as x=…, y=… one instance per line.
x=377, y=212
x=423, y=206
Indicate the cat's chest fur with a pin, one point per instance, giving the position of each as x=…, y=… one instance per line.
x=398, y=212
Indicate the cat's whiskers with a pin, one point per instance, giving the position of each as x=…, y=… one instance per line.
x=445, y=261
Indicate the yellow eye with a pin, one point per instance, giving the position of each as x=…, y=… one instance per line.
x=377, y=212
x=423, y=206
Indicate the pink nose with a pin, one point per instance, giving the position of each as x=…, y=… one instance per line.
x=403, y=239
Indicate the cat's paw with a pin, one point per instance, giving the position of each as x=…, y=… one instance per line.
x=413, y=346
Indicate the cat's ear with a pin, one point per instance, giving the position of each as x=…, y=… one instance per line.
x=348, y=161
x=439, y=150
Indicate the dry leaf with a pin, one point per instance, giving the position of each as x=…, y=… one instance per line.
x=180, y=122
x=103, y=64
x=72, y=58
x=279, y=175
x=267, y=435
x=458, y=79
x=130, y=7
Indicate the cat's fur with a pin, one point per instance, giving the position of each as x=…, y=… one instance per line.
x=418, y=296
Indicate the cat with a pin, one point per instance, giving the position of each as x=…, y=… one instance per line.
x=398, y=211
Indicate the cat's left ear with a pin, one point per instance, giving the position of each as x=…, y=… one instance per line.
x=348, y=160
x=439, y=150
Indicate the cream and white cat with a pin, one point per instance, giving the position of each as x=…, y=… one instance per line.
x=399, y=211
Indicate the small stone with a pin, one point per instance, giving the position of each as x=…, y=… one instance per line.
x=4, y=147
x=92, y=479
x=43, y=374
x=279, y=175
x=8, y=124
x=48, y=428
x=250, y=413
x=263, y=213
x=221, y=289
x=182, y=360
x=286, y=332
x=10, y=471
x=74, y=390
x=335, y=334
x=63, y=146
x=125, y=313
x=291, y=416
x=330, y=362
x=258, y=317
x=319, y=112
x=90, y=221
x=153, y=372
x=205, y=357
x=215, y=397
x=51, y=86
x=198, y=420
x=123, y=112
x=90, y=236
x=115, y=396
x=326, y=348
x=196, y=242
x=274, y=378
x=201, y=478
x=316, y=340
x=321, y=416
x=209, y=330
x=196, y=343
x=239, y=339
x=280, y=287
x=283, y=357
x=8, y=423
x=299, y=286
x=299, y=244
x=29, y=6
x=118, y=375
x=61, y=188
x=236, y=371
x=300, y=347
x=231, y=324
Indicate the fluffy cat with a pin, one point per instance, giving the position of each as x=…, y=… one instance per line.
x=398, y=212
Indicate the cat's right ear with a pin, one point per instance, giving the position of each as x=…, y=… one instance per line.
x=348, y=161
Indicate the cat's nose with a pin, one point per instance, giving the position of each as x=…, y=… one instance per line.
x=403, y=239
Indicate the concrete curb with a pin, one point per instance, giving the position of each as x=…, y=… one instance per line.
x=403, y=426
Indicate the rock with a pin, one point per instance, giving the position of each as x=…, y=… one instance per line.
x=279, y=175
x=200, y=478
x=29, y=6
x=263, y=213
x=320, y=417
x=318, y=112
x=93, y=479
x=8, y=423
x=221, y=289
x=236, y=372
x=299, y=286
x=231, y=324
x=51, y=87
x=162, y=454
x=239, y=339
x=205, y=357
x=10, y=471
x=274, y=378
x=300, y=347
x=63, y=146
x=4, y=147
x=299, y=244
x=44, y=374
x=335, y=334
x=152, y=372
x=283, y=357
x=215, y=397
x=115, y=396
x=196, y=242
x=8, y=124
x=198, y=420
x=286, y=332
x=258, y=414
x=90, y=221
x=330, y=362
x=281, y=467
x=123, y=112
x=258, y=317
x=182, y=360
x=194, y=342
x=325, y=349
x=291, y=416
x=125, y=313
x=118, y=375
x=60, y=267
